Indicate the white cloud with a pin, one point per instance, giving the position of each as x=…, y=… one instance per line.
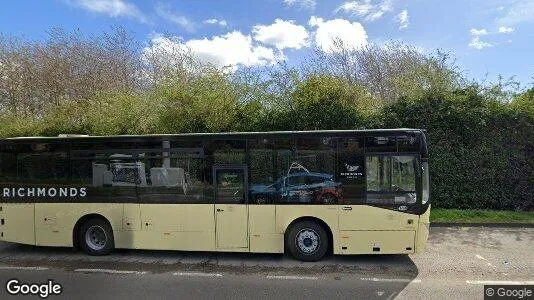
x=383, y=8
x=221, y=22
x=506, y=30
x=403, y=19
x=315, y=21
x=366, y=9
x=163, y=10
x=520, y=11
x=478, y=32
x=475, y=41
x=113, y=8
x=301, y=4
x=355, y=7
x=350, y=34
x=478, y=44
x=229, y=50
x=281, y=34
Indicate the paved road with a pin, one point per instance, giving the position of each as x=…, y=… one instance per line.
x=457, y=263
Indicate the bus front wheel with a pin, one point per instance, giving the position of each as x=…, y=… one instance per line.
x=307, y=241
x=96, y=237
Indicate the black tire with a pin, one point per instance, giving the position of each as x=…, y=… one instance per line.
x=307, y=241
x=96, y=237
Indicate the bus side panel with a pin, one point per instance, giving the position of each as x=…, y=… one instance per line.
x=262, y=229
x=367, y=230
x=126, y=236
x=377, y=242
x=285, y=214
x=177, y=227
x=54, y=222
x=365, y=217
x=423, y=232
x=17, y=223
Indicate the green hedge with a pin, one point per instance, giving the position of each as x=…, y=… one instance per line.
x=481, y=152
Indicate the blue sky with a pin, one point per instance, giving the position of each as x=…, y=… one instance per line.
x=486, y=36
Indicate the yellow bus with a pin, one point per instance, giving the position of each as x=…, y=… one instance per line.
x=307, y=192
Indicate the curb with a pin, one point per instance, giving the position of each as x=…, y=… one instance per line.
x=510, y=225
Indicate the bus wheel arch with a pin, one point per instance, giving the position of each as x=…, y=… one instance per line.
x=93, y=218
x=308, y=219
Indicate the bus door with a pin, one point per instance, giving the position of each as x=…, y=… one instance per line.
x=231, y=211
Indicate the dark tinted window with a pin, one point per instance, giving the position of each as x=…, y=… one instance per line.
x=173, y=172
x=352, y=145
x=230, y=186
x=220, y=152
x=226, y=151
x=8, y=163
x=380, y=144
x=409, y=143
x=286, y=150
x=63, y=172
x=305, y=162
x=351, y=169
x=105, y=164
x=263, y=173
x=109, y=170
x=296, y=180
x=36, y=163
x=317, y=155
x=262, y=161
x=316, y=180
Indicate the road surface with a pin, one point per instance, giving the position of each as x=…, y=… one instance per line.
x=456, y=265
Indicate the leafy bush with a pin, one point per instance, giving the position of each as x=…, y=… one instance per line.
x=481, y=149
x=481, y=152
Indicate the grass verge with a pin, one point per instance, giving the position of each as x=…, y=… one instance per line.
x=480, y=216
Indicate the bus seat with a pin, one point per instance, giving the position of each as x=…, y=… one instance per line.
x=99, y=175
x=168, y=177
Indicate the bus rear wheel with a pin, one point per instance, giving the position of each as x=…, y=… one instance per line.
x=307, y=241
x=96, y=237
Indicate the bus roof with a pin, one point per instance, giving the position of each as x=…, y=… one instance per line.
x=73, y=137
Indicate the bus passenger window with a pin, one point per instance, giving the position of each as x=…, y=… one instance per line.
x=351, y=169
x=378, y=173
x=391, y=179
x=44, y=162
x=230, y=186
x=263, y=178
x=305, y=170
x=173, y=172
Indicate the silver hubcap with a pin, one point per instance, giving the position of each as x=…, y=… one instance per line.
x=307, y=241
x=95, y=237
